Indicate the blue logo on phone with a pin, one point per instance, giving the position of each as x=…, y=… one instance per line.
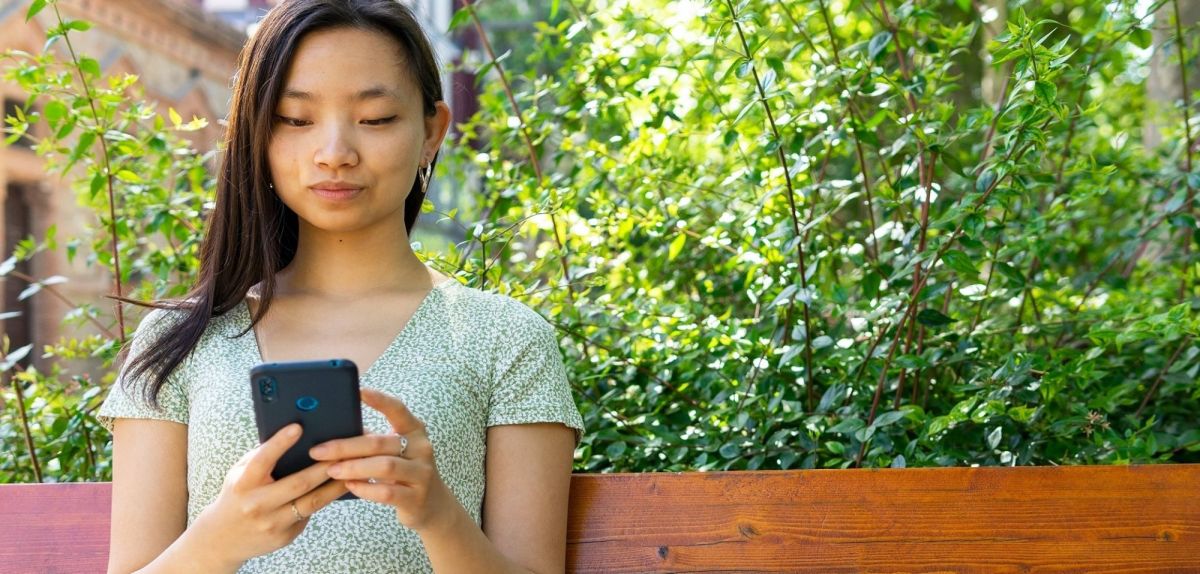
x=306, y=403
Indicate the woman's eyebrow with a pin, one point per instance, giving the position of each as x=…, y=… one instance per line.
x=371, y=93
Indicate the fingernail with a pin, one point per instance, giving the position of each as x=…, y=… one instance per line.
x=335, y=470
x=318, y=452
x=293, y=430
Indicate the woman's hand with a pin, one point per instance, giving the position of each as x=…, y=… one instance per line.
x=253, y=513
x=402, y=474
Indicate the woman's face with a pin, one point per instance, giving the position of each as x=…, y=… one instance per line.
x=350, y=131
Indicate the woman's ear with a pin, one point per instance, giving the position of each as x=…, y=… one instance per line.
x=436, y=127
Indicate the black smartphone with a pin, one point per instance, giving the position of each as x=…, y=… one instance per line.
x=320, y=395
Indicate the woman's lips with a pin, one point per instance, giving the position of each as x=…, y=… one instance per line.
x=338, y=193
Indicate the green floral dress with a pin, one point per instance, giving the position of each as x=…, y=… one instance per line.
x=467, y=360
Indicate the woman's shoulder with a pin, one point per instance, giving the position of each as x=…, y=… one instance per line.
x=496, y=311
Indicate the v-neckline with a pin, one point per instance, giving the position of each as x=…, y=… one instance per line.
x=247, y=318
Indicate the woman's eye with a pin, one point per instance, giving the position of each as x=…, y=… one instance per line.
x=292, y=121
x=380, y=121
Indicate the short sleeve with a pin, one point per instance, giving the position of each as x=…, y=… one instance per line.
x=125, y=400
x=531, y=384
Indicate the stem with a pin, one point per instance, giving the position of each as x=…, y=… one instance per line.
x=50, y=289
x=810, y=381
x=987, y=286
x=533, y=156
x=914, y=299
x=37, y=469
x=991, y=133
x=1161, y=374
x=910, y=98
x=872, y=247
x=1187, y=134
x=108, y=176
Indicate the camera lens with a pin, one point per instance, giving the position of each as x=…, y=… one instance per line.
x=266, y=388
x=306, y=403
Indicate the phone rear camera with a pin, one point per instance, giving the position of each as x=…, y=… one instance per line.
x=266, y=389
x=306, y=403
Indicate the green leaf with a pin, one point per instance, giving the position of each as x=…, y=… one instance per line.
x=554, y=9
x=888, y=418
x=848, y=425
x=1046, y=91
x=870, y=285
x=90, y=66
x=993, y=438
x=933, y=318
x=1141, y=38
x=937, y=425
x=1016, y=278
x=460, y=17
x=128, y=176
x=985, y=180
x=34, y=8
x=78, y=25
x=676, y=246
x=1193, y=181
x=878, y=44
x=98, y=181
x=953, y=163
x=55, y=111
x=960, y=262
x=730, y=450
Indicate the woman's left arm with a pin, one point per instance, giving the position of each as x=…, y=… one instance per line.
x=525, y=502
x=524, y=508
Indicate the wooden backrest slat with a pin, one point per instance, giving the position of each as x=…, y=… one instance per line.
x=1044, y=519
x=1084, y=519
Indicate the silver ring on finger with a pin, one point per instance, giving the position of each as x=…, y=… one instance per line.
x=403, y=444
x=296, y=512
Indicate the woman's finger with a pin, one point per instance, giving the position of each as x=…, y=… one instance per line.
x=414, y=445
x=382, y=468
x=262, y=462
x=293, y=486
x=325, y=494
x=383, y=493
x=402, y=419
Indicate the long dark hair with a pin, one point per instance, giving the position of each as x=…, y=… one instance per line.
x=251, y=234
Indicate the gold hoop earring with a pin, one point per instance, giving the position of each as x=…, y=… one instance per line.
x=425, y=173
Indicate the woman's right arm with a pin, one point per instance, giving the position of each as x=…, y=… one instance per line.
x=251, y=516
x=149, y=500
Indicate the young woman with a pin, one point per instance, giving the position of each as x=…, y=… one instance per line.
x=335, y=125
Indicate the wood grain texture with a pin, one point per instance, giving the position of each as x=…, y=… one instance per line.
x=54, y=528
x=1030, y=519
x=1046, y=519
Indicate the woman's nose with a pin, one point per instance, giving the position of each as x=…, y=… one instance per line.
x=336, y=149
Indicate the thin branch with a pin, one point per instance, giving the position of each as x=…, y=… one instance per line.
x=533, y=155
x=810, y=378
x=37, y=468
x=1162, y=374
x=108, y=176
x=1187, y=280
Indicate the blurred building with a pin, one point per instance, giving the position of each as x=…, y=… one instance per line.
x=184, y=58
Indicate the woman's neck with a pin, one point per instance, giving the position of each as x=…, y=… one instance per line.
x=372, y=261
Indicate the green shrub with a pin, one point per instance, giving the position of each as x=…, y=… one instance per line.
x=722, y=208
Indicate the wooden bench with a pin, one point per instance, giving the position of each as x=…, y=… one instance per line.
x=1032, y=519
